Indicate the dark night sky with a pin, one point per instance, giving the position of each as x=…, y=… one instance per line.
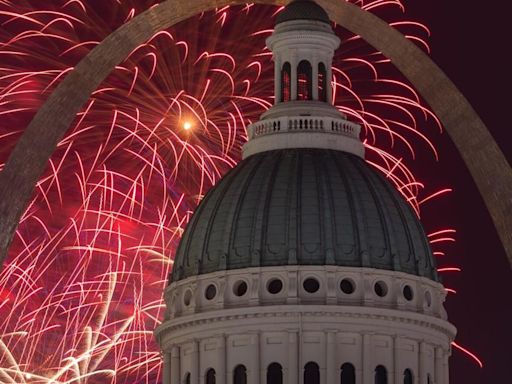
x=470, y=42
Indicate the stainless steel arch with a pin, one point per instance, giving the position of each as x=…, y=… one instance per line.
x=489, y=168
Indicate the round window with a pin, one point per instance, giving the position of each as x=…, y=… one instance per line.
x=408, y=293
x=240, y=288
x=311, y=285
x=347, y=286
x=274, y=286
x=210, y=292
x=381, y=289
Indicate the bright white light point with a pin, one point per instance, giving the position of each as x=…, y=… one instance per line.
x=28, y=376
x=187, y=125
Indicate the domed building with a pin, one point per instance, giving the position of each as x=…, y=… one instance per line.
x=303, y=265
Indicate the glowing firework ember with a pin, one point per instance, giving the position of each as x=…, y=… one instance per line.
x=82, y=290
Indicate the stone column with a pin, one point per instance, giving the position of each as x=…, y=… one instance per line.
x=293, y=358
x=332, y=370
x=221, y=362
x=261, y=351
x=175, y=366
x=359, y=363
x=314, y=80
x=194, y=363
x=367, y=353
x=256, y=365
x=446, y=368
x=422, y=373
x=328, y=84
x=395, y=371
x=439, y=371
x=277, y=80
x=293, y=64
x=166, y=368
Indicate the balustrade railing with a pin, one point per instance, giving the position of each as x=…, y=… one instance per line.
x=302, y=124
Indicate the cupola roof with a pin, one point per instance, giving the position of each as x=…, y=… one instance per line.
x=302, y=10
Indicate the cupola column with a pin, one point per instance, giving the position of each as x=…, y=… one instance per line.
x=328, y=84
x=277, y=80
x=314, y=80
x=294, y=64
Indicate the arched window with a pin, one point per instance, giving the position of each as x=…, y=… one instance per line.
x=348, y=374
x=322, y=82
x=210, y=376
x=275, y=374
x=240, y=375
x=381, y=375
x=304, y=83
x=187, y=379
x=429, y=379
x=286, y=83
x=408, y=379
x=311, y=373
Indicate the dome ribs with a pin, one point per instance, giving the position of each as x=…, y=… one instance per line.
x=232, y=218
x=262, y=212
x=376, y=223
x=303, y=207
x=310, y=250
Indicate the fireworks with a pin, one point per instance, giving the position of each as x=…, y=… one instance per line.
x=82, y=290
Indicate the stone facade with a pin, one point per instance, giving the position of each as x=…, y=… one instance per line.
x=358, y=316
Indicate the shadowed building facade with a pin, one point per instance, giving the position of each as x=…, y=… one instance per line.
x=304, y=265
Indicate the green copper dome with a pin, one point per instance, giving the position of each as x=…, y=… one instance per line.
x=303, y=207
x=302, y=10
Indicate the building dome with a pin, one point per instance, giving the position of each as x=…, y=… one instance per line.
x=303, y=264
x=303, y=207
x=302, y=10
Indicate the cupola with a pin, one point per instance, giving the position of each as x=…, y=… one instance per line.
x=303, y=115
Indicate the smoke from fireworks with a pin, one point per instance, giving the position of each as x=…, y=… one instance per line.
x=82, y=289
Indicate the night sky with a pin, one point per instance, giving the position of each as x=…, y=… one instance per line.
x=471, y=41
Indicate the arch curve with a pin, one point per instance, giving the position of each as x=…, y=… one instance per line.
x=478, y=149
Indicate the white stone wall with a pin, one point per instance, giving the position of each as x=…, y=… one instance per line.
x=294, y=327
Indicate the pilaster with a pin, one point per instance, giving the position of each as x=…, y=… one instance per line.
x=175, y=367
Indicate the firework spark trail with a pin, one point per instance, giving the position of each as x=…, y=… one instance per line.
x=82, y=289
